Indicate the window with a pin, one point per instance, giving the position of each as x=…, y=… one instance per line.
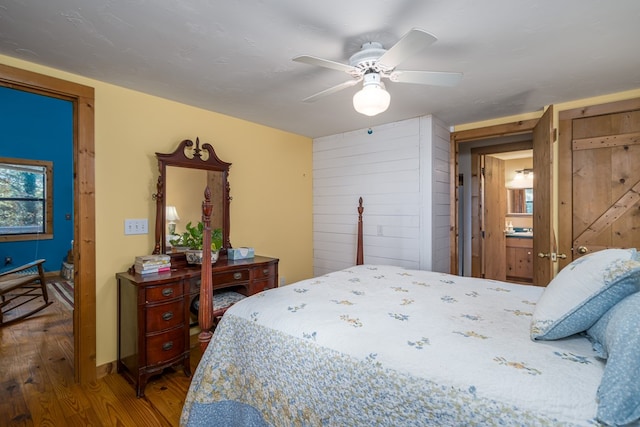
x=26, y=199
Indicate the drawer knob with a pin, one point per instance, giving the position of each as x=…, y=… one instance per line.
x=167, y=292
x=167, y=346
x=167, y=315
x=237, y=276
x=265, y=271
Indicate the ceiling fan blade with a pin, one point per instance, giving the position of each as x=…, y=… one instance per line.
x=433, y=78
x=326, y=63
x=331, y=90
x=411, y=43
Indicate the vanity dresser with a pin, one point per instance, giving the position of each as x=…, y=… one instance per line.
x=154, y=316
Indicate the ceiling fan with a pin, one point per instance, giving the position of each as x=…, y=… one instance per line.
x=373, y=62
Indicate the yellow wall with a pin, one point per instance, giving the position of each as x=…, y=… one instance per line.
x=270, y=180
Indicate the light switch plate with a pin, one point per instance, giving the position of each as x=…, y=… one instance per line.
x=136, y=226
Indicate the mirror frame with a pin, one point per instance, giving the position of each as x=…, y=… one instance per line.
x=190, y=155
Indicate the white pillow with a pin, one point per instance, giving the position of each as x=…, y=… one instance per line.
x=583, y=291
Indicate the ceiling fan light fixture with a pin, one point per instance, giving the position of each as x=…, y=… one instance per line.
x=373, y=98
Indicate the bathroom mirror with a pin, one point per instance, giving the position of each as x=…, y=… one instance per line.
x=184, y=175
x=520, y=201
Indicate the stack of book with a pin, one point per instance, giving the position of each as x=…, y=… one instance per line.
x=147, y=264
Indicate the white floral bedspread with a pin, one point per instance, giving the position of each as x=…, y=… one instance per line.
x=386, y=346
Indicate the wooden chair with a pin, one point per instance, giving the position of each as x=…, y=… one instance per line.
x=20, y=286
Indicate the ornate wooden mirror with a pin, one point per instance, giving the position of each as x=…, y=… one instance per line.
x=184, y=174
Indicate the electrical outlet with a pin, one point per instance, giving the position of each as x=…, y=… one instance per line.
x=136, y=226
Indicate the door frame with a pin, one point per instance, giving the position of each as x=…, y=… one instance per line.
x=565, y=166
x=478, y=246
x=467, y=136
x=84, y=313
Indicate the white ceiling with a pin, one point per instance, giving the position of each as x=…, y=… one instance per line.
x=234, y=57
x=513, y=155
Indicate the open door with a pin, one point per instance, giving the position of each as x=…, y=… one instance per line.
x=544, y=242
x=493, y=219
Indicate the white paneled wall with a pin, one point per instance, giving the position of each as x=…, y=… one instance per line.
x=401, y=170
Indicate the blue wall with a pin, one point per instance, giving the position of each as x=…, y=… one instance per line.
x=39, y=127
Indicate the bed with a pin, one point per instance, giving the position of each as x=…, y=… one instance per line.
x=383, y=345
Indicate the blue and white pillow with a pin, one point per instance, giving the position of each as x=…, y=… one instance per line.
x=583, y=291
x=616, y=337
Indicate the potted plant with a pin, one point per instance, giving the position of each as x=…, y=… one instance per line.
x=192, y=239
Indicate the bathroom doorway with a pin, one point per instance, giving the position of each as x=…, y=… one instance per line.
x=466, y=244
x=505, y=207
x=493, y=226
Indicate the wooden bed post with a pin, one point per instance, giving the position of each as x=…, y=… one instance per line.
x=205, y=312
x=360, y=252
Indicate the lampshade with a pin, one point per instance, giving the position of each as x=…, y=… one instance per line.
x=372, y=99
x=171, y=214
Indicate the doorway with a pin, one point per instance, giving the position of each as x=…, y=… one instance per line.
x=502, y=229
x=82, y=98
x=485, y=165
x=539, y=132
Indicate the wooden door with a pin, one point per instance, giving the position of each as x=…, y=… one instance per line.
x=600, y=164
x=544, y=247
x=493, y=219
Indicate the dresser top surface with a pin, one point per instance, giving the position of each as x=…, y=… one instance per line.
x=223, y=264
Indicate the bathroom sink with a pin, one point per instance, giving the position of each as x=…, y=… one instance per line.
x=520, y=234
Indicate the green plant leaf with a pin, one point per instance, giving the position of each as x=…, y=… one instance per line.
x=192, y=237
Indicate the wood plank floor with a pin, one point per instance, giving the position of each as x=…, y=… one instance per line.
x=37, y=387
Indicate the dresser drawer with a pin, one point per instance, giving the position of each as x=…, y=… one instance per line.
x=163, y=292
x=163, y=347
x=231, y=277
x=263, y=272
x=260, y=285
x=165, y=316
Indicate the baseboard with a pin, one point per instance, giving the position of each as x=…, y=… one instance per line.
x=106, y=369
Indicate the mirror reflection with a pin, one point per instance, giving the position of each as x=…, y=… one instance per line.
x=183, y=193
x=184, y=175
x=520, y=201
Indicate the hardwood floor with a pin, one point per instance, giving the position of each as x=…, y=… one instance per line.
x=37, y=388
